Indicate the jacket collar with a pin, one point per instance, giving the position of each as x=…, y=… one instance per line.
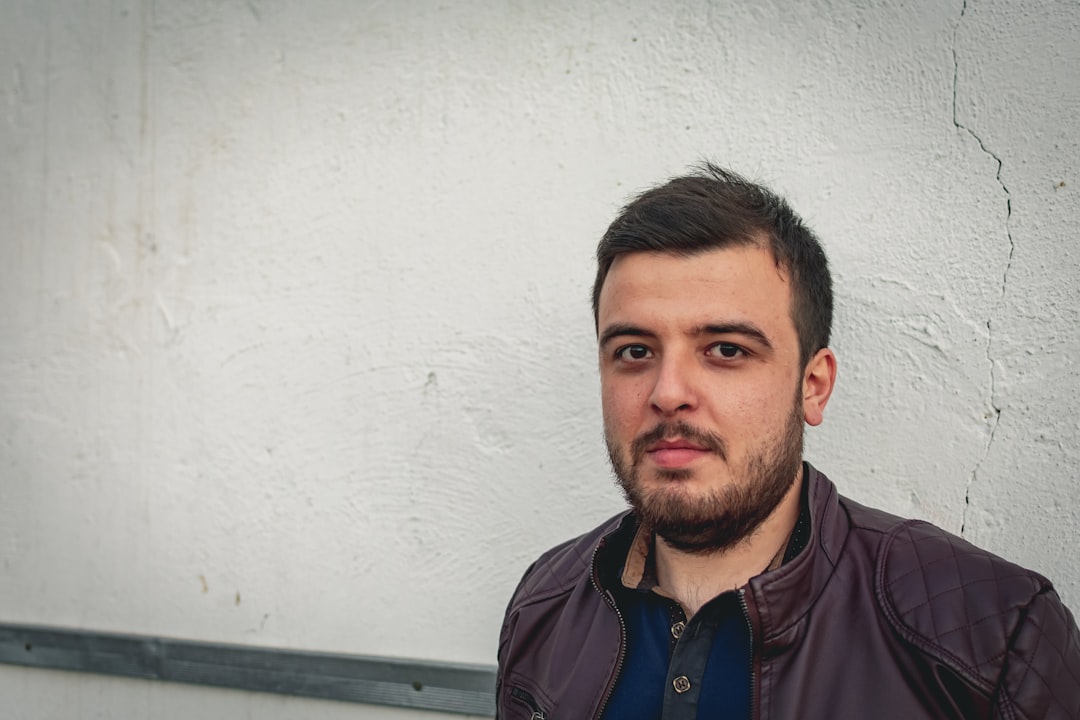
x=779, y=599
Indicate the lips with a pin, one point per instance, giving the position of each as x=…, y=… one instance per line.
x=675, y=453
x=674, y=445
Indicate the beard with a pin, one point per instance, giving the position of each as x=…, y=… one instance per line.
x=720, y=518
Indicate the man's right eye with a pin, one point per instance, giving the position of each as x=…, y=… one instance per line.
x=632, y=352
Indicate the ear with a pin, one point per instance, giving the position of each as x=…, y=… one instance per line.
x=819, y=377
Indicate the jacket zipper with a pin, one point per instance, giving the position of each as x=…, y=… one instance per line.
x=525, y=697
x=622, y=635
x=750, y=628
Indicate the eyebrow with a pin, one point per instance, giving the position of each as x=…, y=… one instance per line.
x=621, y=330
x=734, y=328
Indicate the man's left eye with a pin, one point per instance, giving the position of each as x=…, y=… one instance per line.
x=727, y=351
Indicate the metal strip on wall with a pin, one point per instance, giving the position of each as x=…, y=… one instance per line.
x=446, y=687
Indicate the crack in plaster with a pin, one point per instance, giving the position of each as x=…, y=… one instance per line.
x=992, y=399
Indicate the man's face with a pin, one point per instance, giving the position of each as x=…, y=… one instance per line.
x=702, y=391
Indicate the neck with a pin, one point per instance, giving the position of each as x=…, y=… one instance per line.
x=695, y=578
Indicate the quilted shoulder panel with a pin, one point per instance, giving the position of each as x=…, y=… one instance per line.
x=952, y=599
x=1000, y=626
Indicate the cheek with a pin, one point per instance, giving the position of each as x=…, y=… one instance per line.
x=621, y=403
x=751, y=409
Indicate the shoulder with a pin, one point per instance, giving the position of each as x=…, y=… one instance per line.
x=921, y=569
x=944, y=592
x=1000, y=627
x=564, y=566
x=979, y=621
x=560, y=641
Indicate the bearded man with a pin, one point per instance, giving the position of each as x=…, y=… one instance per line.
x=740, y=584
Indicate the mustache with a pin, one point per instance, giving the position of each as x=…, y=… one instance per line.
x=680, y=429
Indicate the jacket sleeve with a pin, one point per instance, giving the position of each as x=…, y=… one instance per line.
x=1041, y=675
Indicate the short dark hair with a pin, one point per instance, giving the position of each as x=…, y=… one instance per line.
x=713, y=208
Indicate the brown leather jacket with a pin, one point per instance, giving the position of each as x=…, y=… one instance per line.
x=877, y=617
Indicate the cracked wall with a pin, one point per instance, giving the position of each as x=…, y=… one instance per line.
x=294, y=300
x=1021, y=106
x=959, y=122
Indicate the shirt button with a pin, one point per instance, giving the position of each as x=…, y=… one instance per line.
x=681, y=683
x=677, y=628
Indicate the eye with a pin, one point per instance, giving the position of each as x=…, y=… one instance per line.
x=727, y=351
x=631, y=353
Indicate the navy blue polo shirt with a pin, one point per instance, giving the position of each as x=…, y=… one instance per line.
x=679, y=670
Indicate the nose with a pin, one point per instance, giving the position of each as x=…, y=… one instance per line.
x=673, y=391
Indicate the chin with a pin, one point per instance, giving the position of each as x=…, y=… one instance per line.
x=666, y=476
x=699, y=517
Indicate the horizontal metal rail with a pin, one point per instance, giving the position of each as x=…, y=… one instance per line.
x=446, y=687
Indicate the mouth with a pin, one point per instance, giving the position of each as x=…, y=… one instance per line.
x=675, y=453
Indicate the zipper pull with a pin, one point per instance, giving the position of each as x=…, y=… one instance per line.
x=526, y=698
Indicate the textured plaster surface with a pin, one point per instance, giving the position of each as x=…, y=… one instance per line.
x=295, y=345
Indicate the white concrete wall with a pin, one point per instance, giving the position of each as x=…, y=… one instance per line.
x=295, y=345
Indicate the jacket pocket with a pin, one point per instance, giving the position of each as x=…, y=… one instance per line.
x=524, y=700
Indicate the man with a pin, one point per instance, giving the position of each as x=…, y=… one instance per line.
x=741, y=584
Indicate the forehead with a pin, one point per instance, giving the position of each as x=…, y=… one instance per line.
x=729, y=284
